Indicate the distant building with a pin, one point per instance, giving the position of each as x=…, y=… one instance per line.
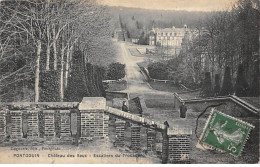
x=170, y=38
x=120, y=34
x=135, y=40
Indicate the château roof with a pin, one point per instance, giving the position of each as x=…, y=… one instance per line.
x=169, y=29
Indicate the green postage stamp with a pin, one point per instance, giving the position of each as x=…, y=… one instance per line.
x=225, y=133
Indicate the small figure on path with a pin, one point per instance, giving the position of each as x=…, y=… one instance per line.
x=166, y=124
x=124, y=107
x=183, y=110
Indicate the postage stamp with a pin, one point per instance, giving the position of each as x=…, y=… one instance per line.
x=225, y=133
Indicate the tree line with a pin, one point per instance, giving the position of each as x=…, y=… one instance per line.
x=138, y=22
x=220, y=53
x=39, y=39
x=226, y=44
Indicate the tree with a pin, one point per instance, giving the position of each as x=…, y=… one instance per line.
x=143, y=39
x=227, y=88
x=77, y=85
x=254, y=90
x=43, y=34
x=158, y=70
x=116, y=71
x=49, y=86
x=241, y=87
x=222, y=39
x=217, y=85
x=207, y=90
x=29, y=20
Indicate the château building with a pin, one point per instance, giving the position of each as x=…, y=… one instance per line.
x=168, y=38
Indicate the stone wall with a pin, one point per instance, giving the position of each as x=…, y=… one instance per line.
x=93, y=125
x=87, y=120
x=51, y=122
x=111, y=95
x=34, y=124
x=231, y=107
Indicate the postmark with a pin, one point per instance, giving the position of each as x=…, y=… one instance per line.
x=225, y=133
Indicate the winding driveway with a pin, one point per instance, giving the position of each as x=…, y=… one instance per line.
x=136, y=83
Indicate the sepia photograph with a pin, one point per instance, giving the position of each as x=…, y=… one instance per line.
x=129, y=81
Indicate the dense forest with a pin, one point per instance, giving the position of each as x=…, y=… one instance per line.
x=137, y=21
x=44, y=45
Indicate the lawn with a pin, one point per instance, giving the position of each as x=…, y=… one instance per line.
x=166, y=104
x=117, y=85
x=167, y=87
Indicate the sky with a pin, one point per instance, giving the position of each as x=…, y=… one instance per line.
x=189, y=5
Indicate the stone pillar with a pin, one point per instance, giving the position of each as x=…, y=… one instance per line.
x=8, y=123
x=165, y=145
x=33, y=123
x=94, y=122
x=65, y=123
x=2, y=125
x=151, y=136
x=41, y=123
x=179, y=148
x=16, y=124
x=57, y=125
x=24, y=123
x=135, y=137
x=74, y=123
x=120, y=132
x=49, y=123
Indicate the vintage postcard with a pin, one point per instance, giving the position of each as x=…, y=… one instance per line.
x=129, y=82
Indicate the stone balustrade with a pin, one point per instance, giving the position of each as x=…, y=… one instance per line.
x=71, y=122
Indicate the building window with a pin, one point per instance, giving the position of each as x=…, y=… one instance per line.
x=175, y=34
x=166, y=33
x=170, y=34
x=162, y=34
x=168, y=38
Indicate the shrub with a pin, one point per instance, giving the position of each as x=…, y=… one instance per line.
x=99, y=79
x=49, y=86
x=207, y=90
x=77, y=82
x=158, y=70
x=241, y=87
x=227, y=87
x=116, y=71
x=254, y=90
